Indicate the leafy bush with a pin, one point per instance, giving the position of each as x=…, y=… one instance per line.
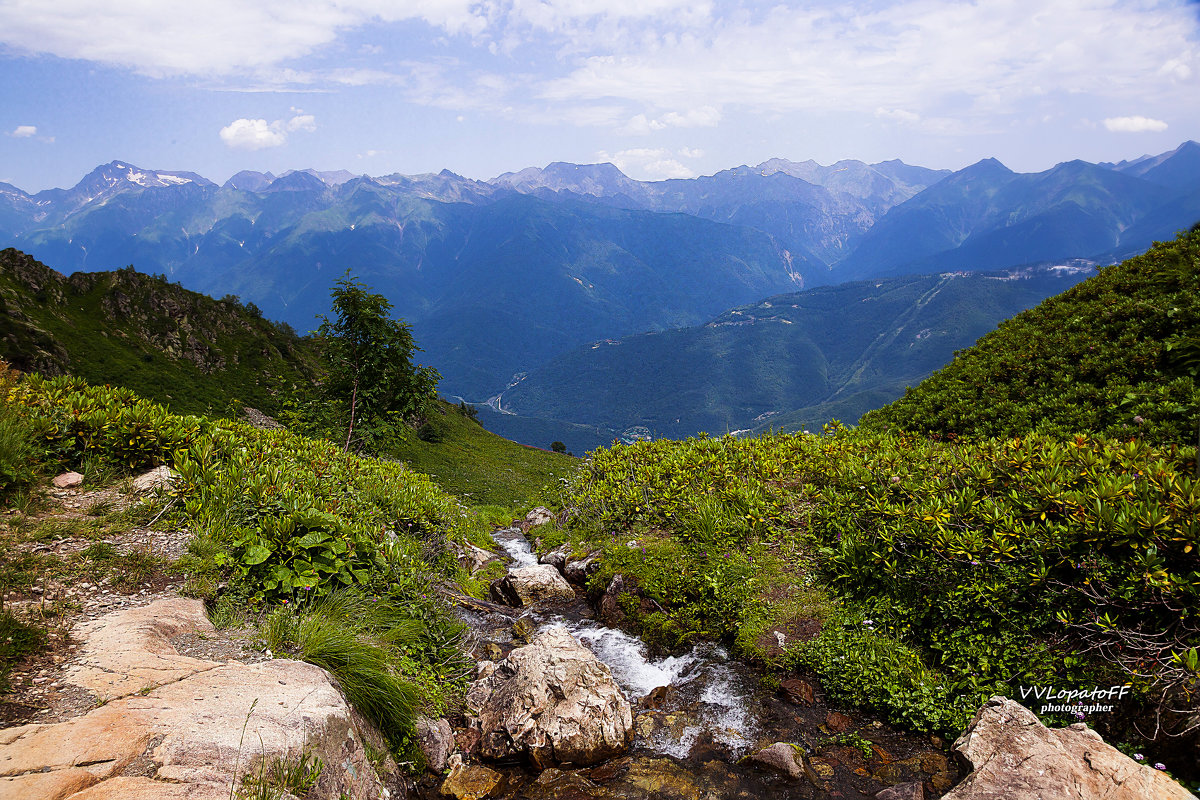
x=994, y=564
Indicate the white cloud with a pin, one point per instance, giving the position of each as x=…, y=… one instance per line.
x=701, y=117
x=217, y=37
x=1135, y=125
x=898, y=115
x=257, y=134
x=920, y=57
x=24, y=131
x=647, y=163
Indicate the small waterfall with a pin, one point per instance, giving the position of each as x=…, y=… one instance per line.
x=710, y=689
x=517, y=547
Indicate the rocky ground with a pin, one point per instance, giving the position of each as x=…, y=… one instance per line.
x=137, y=694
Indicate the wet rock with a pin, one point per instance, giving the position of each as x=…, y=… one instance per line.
x=655, y=698
x=557, y=557
x=436, y=740
x=523, y=628
x=781, y=758
x=492, y=651
x=539, y=516
x=930, y=762
x=837, y=722
x=609, y=606
x=525, y=586
x=610, y=769
x=1014, y=755
x=553, y=701
x=157, y=479
x=580, y=570
x=555, y=784
x=68, y=480
x=890, y=774
x=662, y=778
x=798, y=691
x=903, y=791
x=474, y=782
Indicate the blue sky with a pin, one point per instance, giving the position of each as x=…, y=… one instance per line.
x=662, y=88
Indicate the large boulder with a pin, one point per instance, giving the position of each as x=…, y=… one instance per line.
x=184, y=723
x=1014, y=755
x=552, y=701
x=525, y=586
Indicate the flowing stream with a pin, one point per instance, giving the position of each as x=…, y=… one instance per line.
x=712, y=712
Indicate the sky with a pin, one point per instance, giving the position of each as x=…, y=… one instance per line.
x=661, y=88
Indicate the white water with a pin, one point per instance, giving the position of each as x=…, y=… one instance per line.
x=517, y=547
x=703, y=674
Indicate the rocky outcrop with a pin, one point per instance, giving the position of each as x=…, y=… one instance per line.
x=525, y=586
x=539, y=516
x=1014, y=756
x=552, y=701
x=188, y=728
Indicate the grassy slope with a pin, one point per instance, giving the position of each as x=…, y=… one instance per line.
x=481, y=467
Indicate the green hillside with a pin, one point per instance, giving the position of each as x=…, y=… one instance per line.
x=186, y=350
x=1110, y=356
x=790, y=360
x=195, y=354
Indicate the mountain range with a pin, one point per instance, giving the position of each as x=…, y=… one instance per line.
x=501, y=277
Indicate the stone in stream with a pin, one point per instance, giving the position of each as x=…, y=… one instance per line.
x=473, y=782
x=579, y=570
x=903, y=791
x=784, y=759
x=1015, y=756
x=557, y=557
x=525, y=586
x=436, y=740
x=552, y=701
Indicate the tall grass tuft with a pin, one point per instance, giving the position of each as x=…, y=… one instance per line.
x=360, y=642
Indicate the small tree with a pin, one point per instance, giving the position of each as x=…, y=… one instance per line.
x=370, y=359
x=558, y=447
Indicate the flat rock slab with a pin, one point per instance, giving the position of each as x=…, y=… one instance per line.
x=194, y=735
x=1015, y=756
x=130, y=651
